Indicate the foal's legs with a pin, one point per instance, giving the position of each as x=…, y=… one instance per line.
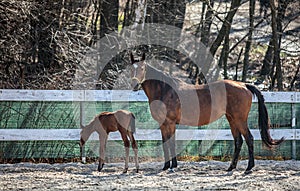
x=135, y=149
x=126, y=145
x=103, y=140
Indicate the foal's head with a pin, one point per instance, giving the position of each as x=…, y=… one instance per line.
x=138, y=72
x=87, y=130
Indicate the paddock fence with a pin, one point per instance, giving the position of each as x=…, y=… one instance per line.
x=46, y=124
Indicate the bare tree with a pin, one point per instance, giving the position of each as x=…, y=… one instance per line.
x=249, y=40
x=225, y=29
x=206, y=21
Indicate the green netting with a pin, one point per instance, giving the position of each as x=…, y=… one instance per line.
x=66, y=115
x=39, y=115
x=39, y=149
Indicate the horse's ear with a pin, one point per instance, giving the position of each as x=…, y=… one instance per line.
x=131, y=58
x=143, y=56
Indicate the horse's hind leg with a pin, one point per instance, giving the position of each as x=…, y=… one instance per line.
x=135, y=149
x=249, y=140
x=238, y=141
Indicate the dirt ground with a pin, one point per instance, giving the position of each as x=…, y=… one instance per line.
x=207, y=175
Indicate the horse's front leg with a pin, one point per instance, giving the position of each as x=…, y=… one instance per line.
x=173, y=151
x=172, y=144
x=103, y=141
x=166, y=146
x=166, y=154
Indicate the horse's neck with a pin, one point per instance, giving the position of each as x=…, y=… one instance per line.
x=155, y=83
x=157, y=75
x=89, y=129
x=154, y=74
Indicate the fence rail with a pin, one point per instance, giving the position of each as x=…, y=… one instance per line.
x=113, y=95
x=141, y=134
x=83, y=96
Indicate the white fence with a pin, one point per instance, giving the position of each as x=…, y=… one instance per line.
x=83, y=96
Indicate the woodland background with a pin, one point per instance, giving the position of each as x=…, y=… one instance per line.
x=43, y=42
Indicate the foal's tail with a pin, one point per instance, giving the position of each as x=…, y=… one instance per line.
x=263, y=119
x=132, y=123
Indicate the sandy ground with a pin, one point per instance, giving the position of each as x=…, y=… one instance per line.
x=207, y=175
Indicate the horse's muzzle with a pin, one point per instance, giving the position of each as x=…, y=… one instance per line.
x=136, y=87
x=135, y=84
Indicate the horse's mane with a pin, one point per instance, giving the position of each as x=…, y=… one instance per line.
x=155, y=74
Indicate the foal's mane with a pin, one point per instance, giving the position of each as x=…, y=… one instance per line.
x=96, y=117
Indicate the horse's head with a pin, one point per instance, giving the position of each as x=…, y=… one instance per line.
x=88, y=129
x=138, y=72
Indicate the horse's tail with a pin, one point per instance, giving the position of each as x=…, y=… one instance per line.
x=132, y=123
x=263, y=118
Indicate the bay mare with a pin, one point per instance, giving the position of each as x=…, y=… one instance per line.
x=173, y=101
x=106, y=122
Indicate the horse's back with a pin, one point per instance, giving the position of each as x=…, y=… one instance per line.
x=203, y=104
x=123, y=118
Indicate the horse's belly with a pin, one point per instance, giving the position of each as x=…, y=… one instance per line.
x=199, y=117
x=195, y=122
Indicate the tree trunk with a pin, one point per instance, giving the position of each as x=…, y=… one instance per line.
x=169, y=13
x=109, y=16
x=166, y=12
x=224, y=56
x=278, y=73
x=295, y=77
x=267, y=62
x=249, y=40
x=225, y=27
x=206, y=23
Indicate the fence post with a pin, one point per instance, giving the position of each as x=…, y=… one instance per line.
x=294, y=146
x=82, y=122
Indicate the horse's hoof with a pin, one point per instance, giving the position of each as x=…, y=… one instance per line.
x=248, y=172
x=174, y=163
x=171, y=170
x=230, y=169
x=100, y=167
x=167, y=166
x=125, y=170
x=137, y=170
x=173, y=166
